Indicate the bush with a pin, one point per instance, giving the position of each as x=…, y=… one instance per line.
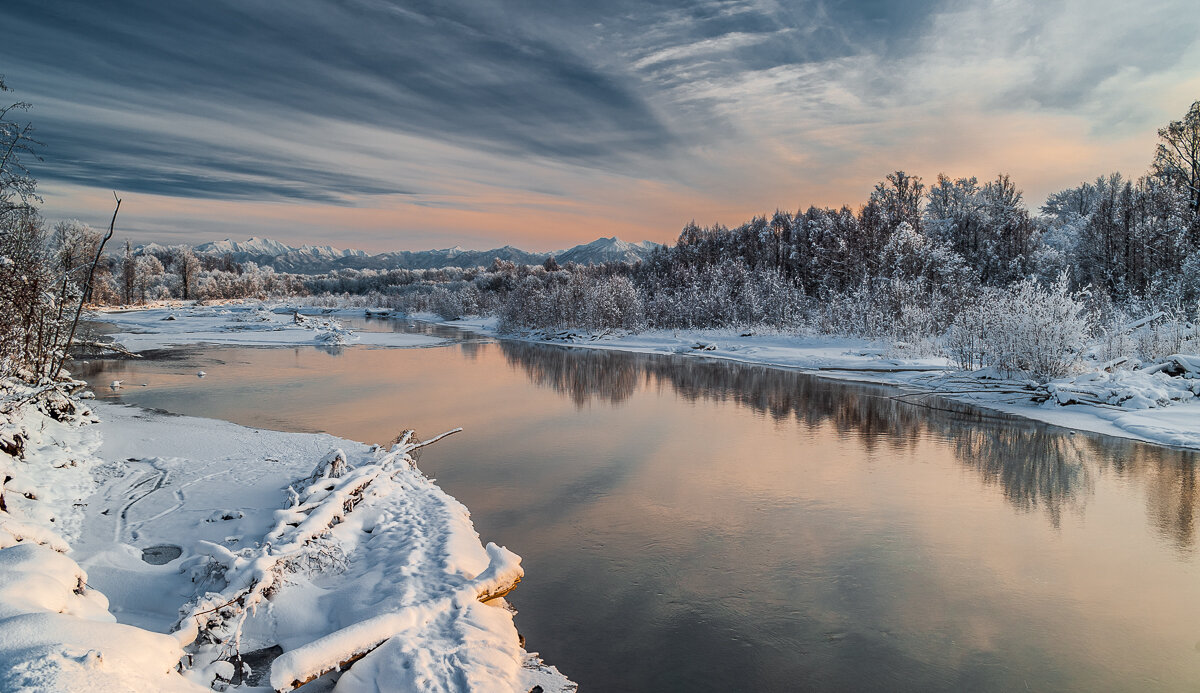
x=1027, y=328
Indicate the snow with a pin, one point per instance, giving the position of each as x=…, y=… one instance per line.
x=250, y=548
x=245, y=323
x=1167, y=407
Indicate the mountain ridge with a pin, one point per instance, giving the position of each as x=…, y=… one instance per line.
x=318, y=259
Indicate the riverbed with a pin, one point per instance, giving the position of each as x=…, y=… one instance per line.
x=694, y=525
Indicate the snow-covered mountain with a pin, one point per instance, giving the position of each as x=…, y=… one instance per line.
x=266, y=251
x=310, y=259
x=605, y=250
x=250, y=247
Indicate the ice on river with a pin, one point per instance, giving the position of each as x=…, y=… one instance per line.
x=246, y=323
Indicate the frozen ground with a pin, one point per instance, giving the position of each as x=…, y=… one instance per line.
x=244, y=323
x=1150, y=406
x=130, y=545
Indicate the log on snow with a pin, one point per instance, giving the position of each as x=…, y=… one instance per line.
x=340, y=649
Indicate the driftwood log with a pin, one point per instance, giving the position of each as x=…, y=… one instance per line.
x=332, y=491
x=485, y=595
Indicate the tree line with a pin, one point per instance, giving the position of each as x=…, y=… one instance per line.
x=956, y=266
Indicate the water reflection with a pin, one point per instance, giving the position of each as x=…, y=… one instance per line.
x=1034, y=466
x=1171, y=498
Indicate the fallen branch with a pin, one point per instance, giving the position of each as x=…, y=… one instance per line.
x=109, y=346
x=872, y=369
x=1140, y=323
x=432, y=440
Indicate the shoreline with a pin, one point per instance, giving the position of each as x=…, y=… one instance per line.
x=834, y=358
x=150, y=513
x=1174, y=426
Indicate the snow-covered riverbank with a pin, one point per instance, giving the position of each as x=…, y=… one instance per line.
x=132, y=541
x=1152, y=407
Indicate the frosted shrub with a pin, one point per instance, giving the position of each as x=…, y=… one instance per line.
x=1167, y=336
x=1115, y=343
x=966, y=342
x=1026, y=328
x=907, y=313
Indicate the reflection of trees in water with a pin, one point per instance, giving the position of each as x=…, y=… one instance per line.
x=610, y=376
x=1034, y=466
x=1169, y=477
x=469, y=349
x=581, y=374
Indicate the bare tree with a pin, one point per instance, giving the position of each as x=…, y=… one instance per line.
x=187, y=266
x=128, y=274
x=87, y=288
x=1178, y=157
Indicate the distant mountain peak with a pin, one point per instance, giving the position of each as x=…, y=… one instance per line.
x=316, y=259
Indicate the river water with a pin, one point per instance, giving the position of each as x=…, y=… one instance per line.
x=691, y=525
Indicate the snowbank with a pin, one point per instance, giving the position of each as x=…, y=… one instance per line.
x=56, y=634
x=155, y=552
x=248, y=323
x=56, y=630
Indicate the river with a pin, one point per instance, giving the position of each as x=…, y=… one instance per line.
x=693, y=525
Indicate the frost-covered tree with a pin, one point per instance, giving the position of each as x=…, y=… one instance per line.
x=899, y=198
x=148, y=274
x=18, y=189
x=1177, y=159
x=987, y=225
x=75, y=245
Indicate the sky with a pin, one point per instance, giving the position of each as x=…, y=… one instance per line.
x=545, y=123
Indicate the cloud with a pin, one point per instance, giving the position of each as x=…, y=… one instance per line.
x=441, y=71
x=524, y=119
